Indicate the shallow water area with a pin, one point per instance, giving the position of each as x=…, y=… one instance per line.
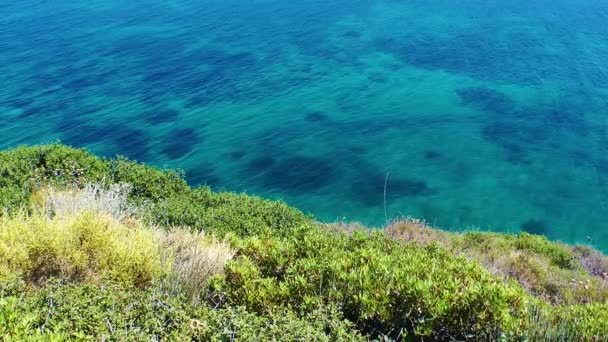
x=486, y=114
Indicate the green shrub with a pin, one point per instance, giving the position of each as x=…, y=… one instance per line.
x=87, y=269
x=556, y=254
x=559, y=254
x=147, y=182
x=588, y=321
x=29, y=168
x=549, y=270
x=24, y=169
x=85, y=312
x=164, y=197
x=222, y=213
x=385, y=287
x=581, y=322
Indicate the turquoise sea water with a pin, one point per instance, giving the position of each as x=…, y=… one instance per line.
x=488, y=114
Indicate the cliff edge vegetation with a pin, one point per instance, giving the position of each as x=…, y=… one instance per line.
x=110, y=249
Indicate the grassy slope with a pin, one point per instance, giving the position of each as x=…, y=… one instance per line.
x=84, y=274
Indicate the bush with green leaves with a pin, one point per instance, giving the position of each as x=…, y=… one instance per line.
x=579, y=322
x=385, y=287
x=222, y=213
x=157, y=271
x=85, y=312
x=24, y=169
x=557, y=254
x=551, y=270
x=164, y=196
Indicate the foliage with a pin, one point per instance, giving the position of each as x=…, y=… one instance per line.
x=112, y=201
x=23, y=169
x=385, y=287
x=555, y=253
x=84, y=247
x=84, y=312
x=192, y=258
x=83, y=258
x=588, y=322
x=550, y=270
x=592, y=261
x=164, y=197
x=222, y=213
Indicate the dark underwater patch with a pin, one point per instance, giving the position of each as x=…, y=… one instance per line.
x=432, y=155
x=368, y=187
x=581, y=157
x=601, y=166
x=202, y=175
x=409, y=187
x=514, y=137
x=148, y=47
x=274, y=138
x=515, y=154
x=260, y=165
x=220, y=66
x=151, y=96
x=205, y=56
x=367, y=127
x=160, y=116
x=216, y=72
x=88, y=109
x=130, y=142
x=300, y=174
x=164, y=75
x=175, y=74
x=481, y=55
x=357, y=149
x=219, y=58
x=20, y=102
x=486, y=99
x=67, y=124
x=377, y=77
x=352, y=34
x=241, y=61
x=180, y=142
x=197, y=87
x=43, y=109
x=201, y=98
x=237, y=155
x=316, y=117
x=538, y=227
x=29, y=112
x=570, y=121
x=79, y=84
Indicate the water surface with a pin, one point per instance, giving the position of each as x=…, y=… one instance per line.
x=488, y=114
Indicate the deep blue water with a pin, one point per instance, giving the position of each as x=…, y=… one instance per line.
x=485, y=114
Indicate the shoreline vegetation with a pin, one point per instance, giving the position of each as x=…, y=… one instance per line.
x=98, y=249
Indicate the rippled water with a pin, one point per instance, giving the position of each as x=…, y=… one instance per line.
x=488, y=114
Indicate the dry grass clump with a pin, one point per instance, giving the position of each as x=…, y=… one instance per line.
x=92, y=235
x=593, y=261
x=193, y=258
x=112, y=201
x=418, y=231
x=341, y=227
x=537, y=274
x=549, y=270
